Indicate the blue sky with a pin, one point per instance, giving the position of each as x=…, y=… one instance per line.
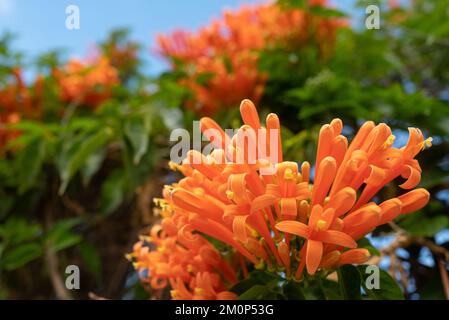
x=40, y=24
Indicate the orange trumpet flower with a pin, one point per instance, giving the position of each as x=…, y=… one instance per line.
x=88, y=84
x=221, y=60
x=317, y=232
x=17, y=101
x=281, y=219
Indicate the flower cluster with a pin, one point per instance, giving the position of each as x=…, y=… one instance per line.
x=221, y=59
x=179, y=255
x=17, y=101
x=82, y=83
x=281, y=221
x=87, y=84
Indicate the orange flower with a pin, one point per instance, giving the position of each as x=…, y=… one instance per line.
x=188, y=262
x=220, y=60
x=336, y=258
x=18, y=101
x=86, y=84
x=279, y=219
x=17, y=97
x=7, y=134
x=317, y=232
x=203, y=286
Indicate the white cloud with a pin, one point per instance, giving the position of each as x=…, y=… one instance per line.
x=6, y=7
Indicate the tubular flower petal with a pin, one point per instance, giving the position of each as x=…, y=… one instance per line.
x=354, y=256
x=314, y=253
x=342, y=201
x=324, y=179
x=336, y=258
x=414, y=200
x=330, y=260
x=390, y=210
x=336, y=237
x=283, y=219
x=294, y=227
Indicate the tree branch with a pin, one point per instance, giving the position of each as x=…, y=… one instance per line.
x=52, y=262
x=444, y=277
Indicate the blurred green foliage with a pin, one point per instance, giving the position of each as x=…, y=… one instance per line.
x=71, y=185
x=71, y=170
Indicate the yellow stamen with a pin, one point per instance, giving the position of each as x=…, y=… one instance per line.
x=389, y=142
x=199, y=291
x=199, y=191
x=173, y=166
x=427, y=143
x=260, y=265
x=166, y=214
x=145, y=238
x=288, y=174
x=321, y=225
x=230, y=194
x=157, y=201
x=157, y=212
x=169, y=188
x=174, y=294
x=254, y=233
x=129, y=256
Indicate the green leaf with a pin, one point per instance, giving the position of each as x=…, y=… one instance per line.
x=60, y=236
x=243, y=286
x=92, y=165
x=419, y=224
x=349, y=282
x=63, y=225
x=256, y=277
x=91, y=259
x=16, y=231
x=66, y=240
x=32, y=129
x=21, y=255
x=388, y=287
x=293, y=291
x=29, y=163
x=330, y=290
x=365, y=243
x=77, y=156
x=301, y=4
x=138, y=174
x=5, y=204
x=256, y=292
x=263, y=277
x=112, y=192
x=137, y=131
x=203, y=78
x=327, y=12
